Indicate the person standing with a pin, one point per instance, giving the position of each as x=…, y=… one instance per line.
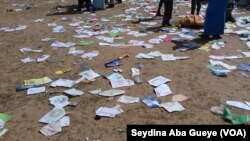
x=111, y=4
x=230, y=7
x=99, y=4
x=195, y=4
x=159, y=8
x=87, y=3
x=168, y=5
x=215, y=18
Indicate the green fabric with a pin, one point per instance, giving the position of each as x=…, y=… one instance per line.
x=113, y=34
x=86, y=43
x=211, y=67
x=121, y=42
x=5, y=117
x=241, y=119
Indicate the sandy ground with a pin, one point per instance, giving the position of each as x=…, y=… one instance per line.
x=189, y=77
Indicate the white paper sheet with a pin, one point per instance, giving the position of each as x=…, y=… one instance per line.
x=28, y=60
x=238, y=104
x=24, y=50
x=57, y=44
x=108, y=112
x=115, y=77
x=248, y=103
x=122, y=83
x=172, y=106
x=213, y=62
x=155, y=41
x=42, y=58
x=147, y=46
x=75, y=52
x=136, y=43
x=218, y=45
x=162, y=90
x=149, y=55
x=1, y=124
x=58, y=29
x=105, y=39
x=2, y=132
x=54, y=115
x=181, y=57
x=51, y=129
x=128, y=99
x=112, y=92
x=38, y=20
x=216, y=57
x=63, y=83
x=81, y=36
x=135, y=71
x=37, y=90
x=73, y=92
x=47, y=39
x=91, y=55
x=247, y=54
x=59, y=101
x=97, y=91
x=158, y=81
x=248, y=44
x=167, y=57
x=21, y=27
x=89, y=74
x=65, y=121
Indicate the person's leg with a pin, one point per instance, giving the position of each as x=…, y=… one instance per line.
x=198, y=2
x=159, y=8
x=168, y=5
x=193, y=6
x=111, y=4
x=229, y=11
x=80, y=2
x=87, y=4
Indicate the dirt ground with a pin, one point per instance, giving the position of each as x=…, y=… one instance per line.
x=189, y=77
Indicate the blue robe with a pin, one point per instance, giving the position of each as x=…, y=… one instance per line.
x=215, y=17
